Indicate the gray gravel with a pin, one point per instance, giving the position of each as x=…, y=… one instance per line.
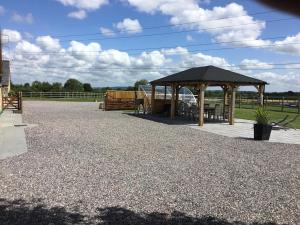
x=98, y=166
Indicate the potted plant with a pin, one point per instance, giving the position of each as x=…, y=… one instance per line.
x=262, y=128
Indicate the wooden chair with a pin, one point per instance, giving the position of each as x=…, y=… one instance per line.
x=194, y=112
x=226, y=112
x=218, y=114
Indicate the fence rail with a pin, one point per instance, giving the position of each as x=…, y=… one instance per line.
x=64, y=95
x=280, y=104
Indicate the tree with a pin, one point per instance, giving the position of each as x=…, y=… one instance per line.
x=36, y=86
x=46, y=86
x=87, y=87
x=27, y=85
x=73, y=85
x=56, y=87
x=140, y=82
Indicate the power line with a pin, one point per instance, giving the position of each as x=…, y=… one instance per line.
x=176, y=53
x=164, y=47
x=169, y=68
x=178, y=32
x=165, y=26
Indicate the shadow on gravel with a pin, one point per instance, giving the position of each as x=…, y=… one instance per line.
x=19, y=212
x=121, y=216
x=167, y=120
x=161, y=119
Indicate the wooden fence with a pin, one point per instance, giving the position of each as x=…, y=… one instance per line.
x=122, y=100
x=280, y=104
x=64, y=95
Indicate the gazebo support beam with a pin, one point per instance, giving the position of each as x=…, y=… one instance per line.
x=177, y=98
x=153, y=99
x=173, y=101
x=261, y=90
x=225, y=98
x=232, y=104
x=201, y=94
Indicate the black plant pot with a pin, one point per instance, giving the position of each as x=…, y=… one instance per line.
x=262, y=132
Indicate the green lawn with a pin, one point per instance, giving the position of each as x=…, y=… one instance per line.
x=275, y=116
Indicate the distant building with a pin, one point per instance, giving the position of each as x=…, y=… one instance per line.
x=5, y=78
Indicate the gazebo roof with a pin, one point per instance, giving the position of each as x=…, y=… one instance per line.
x=208, y=74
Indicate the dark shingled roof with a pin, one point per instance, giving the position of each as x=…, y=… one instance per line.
x=215, y=75
x=5, y=78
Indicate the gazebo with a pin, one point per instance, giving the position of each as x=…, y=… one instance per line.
x=202, y=77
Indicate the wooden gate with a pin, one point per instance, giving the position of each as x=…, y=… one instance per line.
x=13, y=102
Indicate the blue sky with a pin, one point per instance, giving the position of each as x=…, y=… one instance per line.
x=238, y=35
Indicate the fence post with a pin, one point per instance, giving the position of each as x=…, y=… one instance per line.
x=282, y=104
x=240, y=99
x=253, y=101
x=299, y=106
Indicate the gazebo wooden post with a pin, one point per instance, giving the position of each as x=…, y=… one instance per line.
x=261, y=90
x=153, y=99
x=176, y=99
x=201, y=93
x=232, y=104
x=165, y=96
x=173, y=101
x=225, y=97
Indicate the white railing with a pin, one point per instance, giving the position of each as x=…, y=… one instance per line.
x=69, y=95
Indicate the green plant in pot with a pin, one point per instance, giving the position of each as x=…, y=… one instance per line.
x=262, y=128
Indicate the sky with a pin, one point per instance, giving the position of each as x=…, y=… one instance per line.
x=116, y=42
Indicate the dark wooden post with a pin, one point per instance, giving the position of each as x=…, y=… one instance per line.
x=173, y=101
x=153, y=99
x=165, y=97
x=201, y=95
x=282, y=104
x=232, y=104
x=225, y=98
x=176, y=99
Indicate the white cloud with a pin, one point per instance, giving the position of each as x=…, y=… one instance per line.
x=81, y=51
x=189, y=13
x=11, y=36
x=290, y=45
x=107, y=32
x=48, y=43
x=2, y=10
x=289, y=81
x=175, y=51
x=27, y=47
x=249, y=64
x=80, y=14
x=239, y=28
x=46, y=60
x=115, y=57
x=18, y=18
x=130, y=26
x=84, y=4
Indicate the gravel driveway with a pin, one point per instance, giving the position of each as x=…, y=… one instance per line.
x=86, y=166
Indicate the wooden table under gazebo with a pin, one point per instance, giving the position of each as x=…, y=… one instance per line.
x=200, y=78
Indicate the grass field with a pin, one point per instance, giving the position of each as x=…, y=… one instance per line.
x=249, y=114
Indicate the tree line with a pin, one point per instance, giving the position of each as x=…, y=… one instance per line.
x=71, y=85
